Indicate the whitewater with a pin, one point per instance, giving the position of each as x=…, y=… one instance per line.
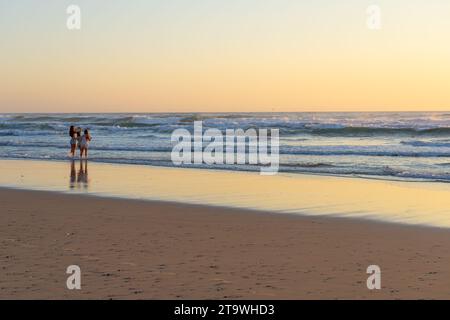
x=401, y=146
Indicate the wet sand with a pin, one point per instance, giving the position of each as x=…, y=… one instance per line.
x=131, y=249
x=416, y=203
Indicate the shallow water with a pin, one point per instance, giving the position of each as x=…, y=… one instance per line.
x=422, y=203
x=404, y=146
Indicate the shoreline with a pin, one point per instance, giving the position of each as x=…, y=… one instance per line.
x=133, y=249
x=411, y=203
x=256, y=171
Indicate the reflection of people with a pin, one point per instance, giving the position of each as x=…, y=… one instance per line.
x=83, y=174
x=81, y=178
x=72, y=175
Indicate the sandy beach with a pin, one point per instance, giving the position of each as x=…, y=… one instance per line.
x=131, y=249
x=224, y=150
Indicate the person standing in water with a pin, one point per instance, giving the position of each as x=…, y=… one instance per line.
x=84, y=143
x=73, y=144
x=73, y=140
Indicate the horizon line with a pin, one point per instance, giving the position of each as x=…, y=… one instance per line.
x=235, y=112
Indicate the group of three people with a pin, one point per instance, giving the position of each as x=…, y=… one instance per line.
x=77, y=139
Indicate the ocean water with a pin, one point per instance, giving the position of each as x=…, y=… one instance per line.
x=404, y=146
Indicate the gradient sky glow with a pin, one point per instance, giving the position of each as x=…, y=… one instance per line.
x=227, y=55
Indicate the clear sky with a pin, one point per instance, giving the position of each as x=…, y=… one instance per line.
x=224, y=55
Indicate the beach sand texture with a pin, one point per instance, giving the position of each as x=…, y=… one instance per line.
x=129, y=249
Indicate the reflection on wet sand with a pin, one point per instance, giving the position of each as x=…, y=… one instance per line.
x=393, y=201
x=80, y=179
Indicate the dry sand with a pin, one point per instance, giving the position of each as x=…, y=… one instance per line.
x=131, y=249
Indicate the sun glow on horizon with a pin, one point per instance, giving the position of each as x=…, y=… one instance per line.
x=219, y=56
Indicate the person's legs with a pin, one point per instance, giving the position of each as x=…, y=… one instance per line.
x=72, y=149
x=86, y=152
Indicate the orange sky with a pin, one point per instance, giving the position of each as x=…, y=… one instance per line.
x=213, y=56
